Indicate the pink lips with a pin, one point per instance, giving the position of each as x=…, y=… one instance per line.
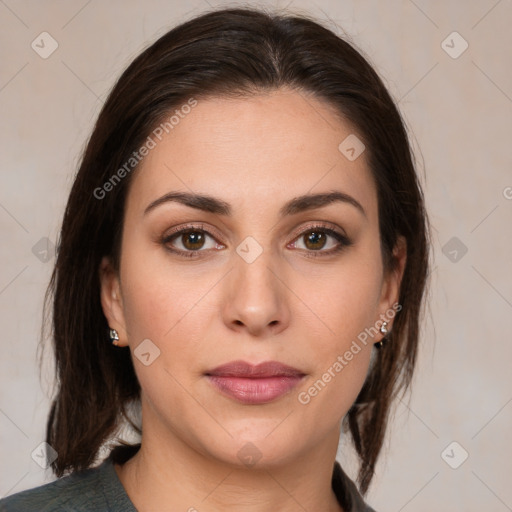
x=251, y=384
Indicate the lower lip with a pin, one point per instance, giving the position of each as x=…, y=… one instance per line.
x=254, y=391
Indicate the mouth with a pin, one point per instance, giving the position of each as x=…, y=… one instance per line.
x=254, y=384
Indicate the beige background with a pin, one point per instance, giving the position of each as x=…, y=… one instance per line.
x=459, y=110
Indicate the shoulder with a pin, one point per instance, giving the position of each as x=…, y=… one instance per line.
x=71, y=492
x=94, y=489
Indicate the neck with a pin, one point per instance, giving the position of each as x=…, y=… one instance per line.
x=171, y=475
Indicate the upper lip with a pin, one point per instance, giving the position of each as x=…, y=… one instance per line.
x=262, y=370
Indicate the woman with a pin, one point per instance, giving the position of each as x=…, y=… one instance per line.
x=242, y=261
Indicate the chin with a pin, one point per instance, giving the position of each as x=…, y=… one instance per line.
x=256, y=445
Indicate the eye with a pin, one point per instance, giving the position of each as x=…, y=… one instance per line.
x=316, y=238
x=192, y=240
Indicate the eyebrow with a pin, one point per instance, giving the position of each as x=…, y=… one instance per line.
x=218, y=206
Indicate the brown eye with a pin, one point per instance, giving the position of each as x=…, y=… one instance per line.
x=315, y=240
x=192, y=240
x=321, y=241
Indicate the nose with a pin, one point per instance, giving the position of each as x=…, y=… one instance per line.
x=256, y=296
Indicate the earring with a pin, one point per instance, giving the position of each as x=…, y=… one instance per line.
x=384, y=331
x=114, y=337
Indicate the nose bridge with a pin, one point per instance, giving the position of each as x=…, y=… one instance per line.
x=256, y=296
x=252, y=273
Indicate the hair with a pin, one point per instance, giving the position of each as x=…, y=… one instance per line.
x=225, y=53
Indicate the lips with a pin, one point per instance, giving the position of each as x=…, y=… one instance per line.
x=262, y=370
x=254, y=384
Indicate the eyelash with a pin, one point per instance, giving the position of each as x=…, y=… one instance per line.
x=323, y=228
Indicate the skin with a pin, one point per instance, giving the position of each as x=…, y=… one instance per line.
x=254, y=153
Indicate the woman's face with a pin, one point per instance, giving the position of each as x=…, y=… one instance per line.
x=256, y=279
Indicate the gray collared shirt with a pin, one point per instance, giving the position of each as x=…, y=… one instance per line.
x=100, y=490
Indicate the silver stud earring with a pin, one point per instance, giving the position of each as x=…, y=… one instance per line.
x=384, y=331
x=114, y=337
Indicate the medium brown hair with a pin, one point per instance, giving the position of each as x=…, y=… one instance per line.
x=222, y=53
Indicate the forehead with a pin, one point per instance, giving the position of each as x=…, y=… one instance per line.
x=274, y=146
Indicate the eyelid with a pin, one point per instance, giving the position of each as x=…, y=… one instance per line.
x=336, y=232
x=318, y=225
x=190, y=227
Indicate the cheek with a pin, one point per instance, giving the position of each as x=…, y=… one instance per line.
x=162, y=307
x=340, y=352
x=340, y=303
x=345, y=303
x=155, y=298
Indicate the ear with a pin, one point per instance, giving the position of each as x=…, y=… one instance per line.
x=390, y=291
x=111, y=299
